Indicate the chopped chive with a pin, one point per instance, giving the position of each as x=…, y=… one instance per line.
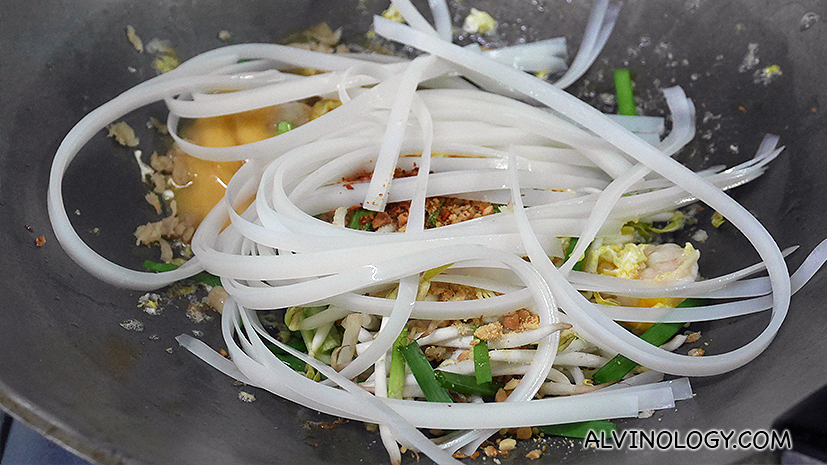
x=292, y=361
x=572, y=244
x=431, y=222
x=296, y=341
x=578, y=430
x=424, y=373
x=616, y=368
x=283, y=127
x=202, y=277
x=623, y=89
x=160, y=267
x=467, y=384
x=690, y=302
x=396, y=377
x=482, y=363
x=207, y=278
x=357, y=216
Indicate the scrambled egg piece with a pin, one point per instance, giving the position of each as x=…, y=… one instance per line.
x=665, y=262
x=393, y=14
x=619, y=260
x=123, y=134
x=479, y=22
x=668, y=263
x=671, y=263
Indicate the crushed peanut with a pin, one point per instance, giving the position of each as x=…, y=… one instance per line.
x=534, y=455
x=123, y=134
x=501, y=395
x=524, y=433
x=511, y=384
x=490, y=331
x=693, y=337
x=521, y=320
x=435, y=352
x=507, y=444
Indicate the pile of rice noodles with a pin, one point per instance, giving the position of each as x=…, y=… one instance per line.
x=563, y=168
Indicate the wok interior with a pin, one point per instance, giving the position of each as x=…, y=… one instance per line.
x=73, y=372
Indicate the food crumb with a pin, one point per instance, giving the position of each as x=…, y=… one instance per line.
x=216, y=298
x=490, y=451
x=501, y=395
x=534, y=455
x=165, y=63
x=150, y=303
x=479, y=22
x=696, y=352
x=524, y=433
x=158, y=125
x=152, y=199
x=169, y=350
x=459, y=455
x=77, y=212
x=693, y=337
x=133, y=39
x=507, y=444
x=750, y=59
x=197, y=333
x=512, y=384
x=393, y=14
x=224, y=353
x=224, y=35
x=767, y=75
x=123, y=134
x=40, y=241
x=132, y=325
x=246, y=397
x=197, y=314
x=700, y=236
x=489, y=331
x=645, y=413
x=166, y=57
x=808, y=20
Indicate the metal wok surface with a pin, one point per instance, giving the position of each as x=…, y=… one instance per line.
x=68, y=368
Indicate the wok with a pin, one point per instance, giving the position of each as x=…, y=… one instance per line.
x=71, y=371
